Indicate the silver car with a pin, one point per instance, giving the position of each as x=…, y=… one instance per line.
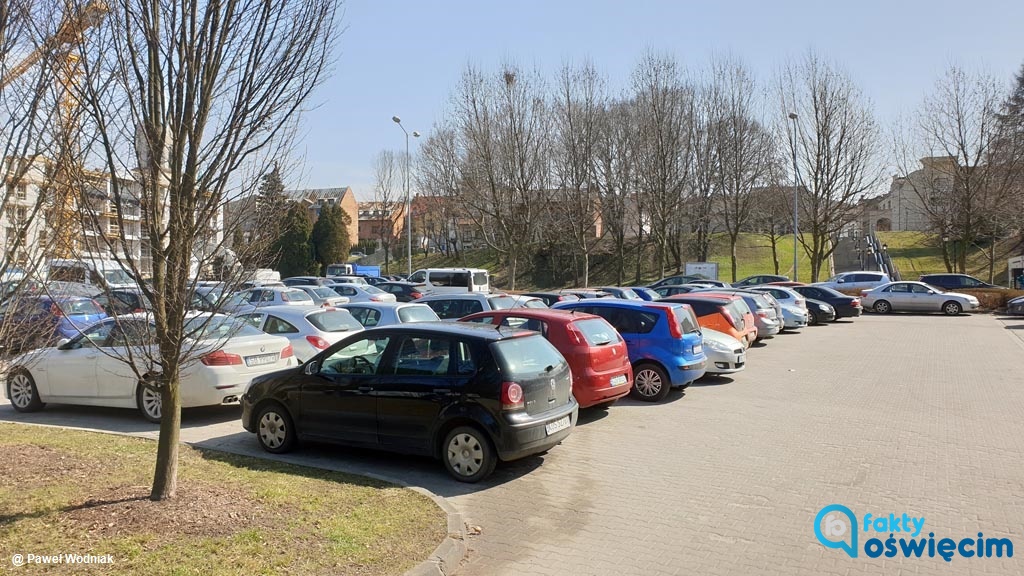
x=310, y=329
x=451, y=307
x=855, y=281
x=371, y=314
x=916, y=297
x=246, y=300
x=363, y=293
x=794, y=316
x=323, y=296
x=763, y=306
x=726, y=355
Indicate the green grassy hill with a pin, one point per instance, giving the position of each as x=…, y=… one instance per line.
x=754, y=256
x=916, y=253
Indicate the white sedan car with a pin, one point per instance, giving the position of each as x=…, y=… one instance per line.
x=95, y=368
x=726, y=355
x=362, y=293
x=310, y=329
x=916, y=297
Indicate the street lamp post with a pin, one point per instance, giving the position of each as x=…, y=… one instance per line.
x=796, y=198
x=408, y=198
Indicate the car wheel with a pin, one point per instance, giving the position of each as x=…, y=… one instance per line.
x=22, y=392
x=468, y=455
x=882, y=307
x=952, y=308
x=812, y=318
x=149, y=403
x=650, y=383
x=275, y=429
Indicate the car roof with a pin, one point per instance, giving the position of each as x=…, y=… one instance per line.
x=552, y=314
x=606, y=302
x=489, y=332
x=463, y=296
x=402, y=283
x=702, y=296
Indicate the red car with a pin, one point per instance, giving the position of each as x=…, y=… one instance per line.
x=597, y=356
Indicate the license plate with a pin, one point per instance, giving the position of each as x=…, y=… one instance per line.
x=261, y=360
x=557, y=426
x=698, y=348
x=618, y=380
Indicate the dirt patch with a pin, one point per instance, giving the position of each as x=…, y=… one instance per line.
x=29, y=464
x=203, y=510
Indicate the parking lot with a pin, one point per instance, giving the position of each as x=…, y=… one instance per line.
x=884, y=414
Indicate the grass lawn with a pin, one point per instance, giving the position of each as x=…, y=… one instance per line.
x=74, y=492
x=917, y=253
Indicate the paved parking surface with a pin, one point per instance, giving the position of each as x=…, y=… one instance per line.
x=915, y=414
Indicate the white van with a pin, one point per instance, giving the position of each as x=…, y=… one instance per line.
x=102, y=274
x=452, y=280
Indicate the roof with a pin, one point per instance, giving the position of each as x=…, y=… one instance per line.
x=609, y=303
x=381, y=305
x=551, y=314
x=465, y=329
x=292, y=310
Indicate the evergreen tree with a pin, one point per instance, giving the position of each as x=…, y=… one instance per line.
x=292, y=249
x=271, y=205
x=330, y=235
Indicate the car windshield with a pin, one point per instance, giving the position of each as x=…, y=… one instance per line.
x=418, y=313
x=295, y=296
x=80, y=307
x=502, y=302
x=218, y=328
x=324, y=293
x=371, y=289
x=117, y=277
x=334, y=321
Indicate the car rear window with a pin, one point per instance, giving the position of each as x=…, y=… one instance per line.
x=372, y=290
x=526, y=356
x=418, y=313
x=502, y=302
x=334, y=321
x=74, y=307
x=596, y=331
x=687, y=319
x=325, y=293
x=295, y=296
x=219, y=328
x=479, y=278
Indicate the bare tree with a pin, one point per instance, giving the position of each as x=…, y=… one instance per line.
x=615, y=157
x=966, y=178
x=388, y=201
x=578, y=111
x=836, y=149
x=186, y=104
x=439, y=171
x=503, y=130
x=743, y=148
x=664, y=106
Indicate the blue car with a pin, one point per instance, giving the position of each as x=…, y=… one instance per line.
x=663, y=340
x=645, y=293
x=38, y=321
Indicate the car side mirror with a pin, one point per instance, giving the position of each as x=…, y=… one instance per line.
x=931, y=291
x=62, y=344
x=311, y=368
x=840, y=281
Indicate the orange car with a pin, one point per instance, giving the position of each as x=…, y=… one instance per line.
x=726, y=313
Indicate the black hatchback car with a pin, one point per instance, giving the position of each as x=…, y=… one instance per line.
x=954, y=282
x=468, y=394
x=403, y=291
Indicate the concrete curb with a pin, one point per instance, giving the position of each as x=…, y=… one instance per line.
x=442, y=561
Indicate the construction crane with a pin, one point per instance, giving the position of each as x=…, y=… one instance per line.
x=67, y=163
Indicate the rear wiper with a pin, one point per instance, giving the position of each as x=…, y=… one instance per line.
x=602, y=343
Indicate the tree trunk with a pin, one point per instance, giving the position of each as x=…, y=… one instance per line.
x=992, y=260
x=732, y=255
x=639, y=257
x=513, y=260
x=775, y=254
x=165, y=477
x=586, y=269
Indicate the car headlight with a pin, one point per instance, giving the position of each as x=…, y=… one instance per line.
x=824, y=307
x=716, y=345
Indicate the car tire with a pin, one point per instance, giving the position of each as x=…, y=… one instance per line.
x=468, y=455
x=275, y=429
x=650, y=382
x=812, y=318
x=149, y=403
x=22, y=392
x=882, y=307
x=952, y=308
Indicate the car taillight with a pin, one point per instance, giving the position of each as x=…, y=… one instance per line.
x=855, y=303
x=137, y=310
x=56, y=311
x=318, y=342
x=221, y=358
x=415, y=295
x=511, y=396
x=674, y=329
x=762, y=313
x=376, y=298
x=732, y=318
x=801, y=302
x=575, y=336
x=863, y=293
x=288, y=352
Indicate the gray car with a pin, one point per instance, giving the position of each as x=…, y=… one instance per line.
x=247, y=300
x=451, y=307
x=323, y=296
x=372, y=314
x=916, y=297
x=855, y=281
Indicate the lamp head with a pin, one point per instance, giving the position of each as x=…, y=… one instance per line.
x=396, y=119
x=415, y=134
x=792, y=115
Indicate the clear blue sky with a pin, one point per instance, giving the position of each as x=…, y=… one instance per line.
x=404, y=57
